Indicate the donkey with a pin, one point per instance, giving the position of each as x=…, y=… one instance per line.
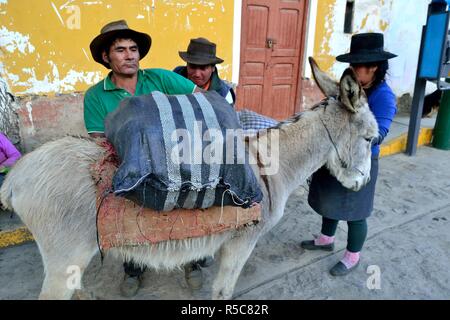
x=52, y=190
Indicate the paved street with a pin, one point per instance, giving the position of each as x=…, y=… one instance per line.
x=408, y=244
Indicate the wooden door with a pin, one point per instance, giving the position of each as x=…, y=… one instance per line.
x=271, y=50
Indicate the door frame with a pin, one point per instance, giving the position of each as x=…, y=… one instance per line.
x=309, y=15
x=302, y=56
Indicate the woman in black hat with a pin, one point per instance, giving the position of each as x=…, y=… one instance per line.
x=326, y=195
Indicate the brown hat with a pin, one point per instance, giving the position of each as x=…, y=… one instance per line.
x=201, y=52
x=115, y=30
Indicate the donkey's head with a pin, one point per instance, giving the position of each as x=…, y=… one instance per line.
x=350, y=129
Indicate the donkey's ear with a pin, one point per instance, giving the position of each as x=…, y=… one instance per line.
x=351, y=91
x=327, y=85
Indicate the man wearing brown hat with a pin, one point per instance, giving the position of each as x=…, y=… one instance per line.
x=119, y=48
x=201, y=68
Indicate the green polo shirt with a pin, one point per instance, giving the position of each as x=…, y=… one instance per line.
x=104, y=97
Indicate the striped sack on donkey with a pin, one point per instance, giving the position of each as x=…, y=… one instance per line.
x=180, y=151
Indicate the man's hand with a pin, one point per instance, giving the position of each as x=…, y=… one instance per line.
x=96, y=135
x=4, y=169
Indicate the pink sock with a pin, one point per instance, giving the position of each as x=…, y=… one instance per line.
x=323, y=240
x=350, y=259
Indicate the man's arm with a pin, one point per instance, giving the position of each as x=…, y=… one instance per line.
x=173, y=83
x=94, y=115
x=384, y=108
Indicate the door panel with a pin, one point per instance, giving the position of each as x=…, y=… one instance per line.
x=280, y=100
x=257, y=25
x=252, y=95
x=287, y=42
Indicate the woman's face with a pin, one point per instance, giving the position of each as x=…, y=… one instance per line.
x=365, y=74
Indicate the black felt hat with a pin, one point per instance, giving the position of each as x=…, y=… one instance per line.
x=365, y=48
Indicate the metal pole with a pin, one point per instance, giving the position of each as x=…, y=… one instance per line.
x=416, y=107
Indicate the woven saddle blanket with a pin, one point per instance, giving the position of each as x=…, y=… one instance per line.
x=122, y=222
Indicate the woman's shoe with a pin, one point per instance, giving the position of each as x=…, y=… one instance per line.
x=311, y=245
x=340, y=269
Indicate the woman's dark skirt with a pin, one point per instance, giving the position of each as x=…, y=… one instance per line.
x=330, y=199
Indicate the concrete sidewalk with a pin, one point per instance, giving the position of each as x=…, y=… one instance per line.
x=396, y=140
x=406, y=255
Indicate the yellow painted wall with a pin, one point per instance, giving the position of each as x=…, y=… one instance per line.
x=44, y=44
x=324, y=30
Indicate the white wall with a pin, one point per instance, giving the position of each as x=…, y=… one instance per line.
x=401, y=22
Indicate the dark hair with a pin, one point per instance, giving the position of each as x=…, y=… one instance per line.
x=380, y=73
x=110, y=42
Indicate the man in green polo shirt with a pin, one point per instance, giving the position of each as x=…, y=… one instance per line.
x=119, y=48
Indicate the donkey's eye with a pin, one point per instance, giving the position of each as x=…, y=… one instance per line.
x=368, y=139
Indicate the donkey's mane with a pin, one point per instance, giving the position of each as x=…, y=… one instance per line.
x=298, y=116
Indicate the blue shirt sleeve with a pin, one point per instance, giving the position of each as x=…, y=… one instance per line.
x=382, y=103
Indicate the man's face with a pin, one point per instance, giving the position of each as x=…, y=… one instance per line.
x=123, y=57
x=199, y=74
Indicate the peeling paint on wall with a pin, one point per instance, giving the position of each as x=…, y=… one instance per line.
x=12, y=41
x=30, y=118
x=325, y=25
x=399, y=20
x=44, y=45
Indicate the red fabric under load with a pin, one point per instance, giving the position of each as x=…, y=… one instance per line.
x=122, y=222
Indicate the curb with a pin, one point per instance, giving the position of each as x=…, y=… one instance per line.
x=15, y=237
x=397, y=145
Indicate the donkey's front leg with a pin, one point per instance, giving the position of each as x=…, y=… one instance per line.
x=233, y=256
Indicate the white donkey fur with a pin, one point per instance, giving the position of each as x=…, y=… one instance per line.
x=52, y=191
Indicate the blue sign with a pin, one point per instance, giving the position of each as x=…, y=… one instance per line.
x=441, y=1
x=433, y=46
